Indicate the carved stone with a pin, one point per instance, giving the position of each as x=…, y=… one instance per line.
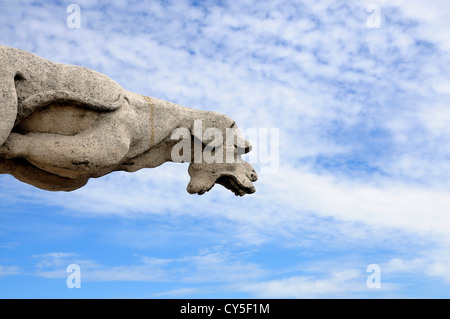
x=61, y=125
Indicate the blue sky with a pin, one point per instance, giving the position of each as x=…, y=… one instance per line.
x=363, y=171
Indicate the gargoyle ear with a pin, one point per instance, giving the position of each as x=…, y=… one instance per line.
x=242, y=145
x=212, y=128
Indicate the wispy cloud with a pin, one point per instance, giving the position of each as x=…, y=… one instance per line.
x=205, y=271
x=339, y=283
x=9, y=270
x=435, y=263
x=206, y=267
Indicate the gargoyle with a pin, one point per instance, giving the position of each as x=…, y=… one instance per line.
x=61, y=125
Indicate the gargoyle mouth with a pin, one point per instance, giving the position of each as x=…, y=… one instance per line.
x=237, y=187
x=238, y=178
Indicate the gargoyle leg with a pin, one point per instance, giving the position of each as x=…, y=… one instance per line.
x=8, y=106
x=81, y=155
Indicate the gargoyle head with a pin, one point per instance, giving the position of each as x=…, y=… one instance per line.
x=228, y=169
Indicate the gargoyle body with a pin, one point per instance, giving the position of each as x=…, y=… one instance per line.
x=61, y=125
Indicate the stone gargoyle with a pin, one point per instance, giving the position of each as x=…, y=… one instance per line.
x=61, y=125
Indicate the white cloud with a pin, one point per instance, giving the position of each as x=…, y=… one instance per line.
x=431, y=16
x=434, y=263
x=9, y=270
x=338, y=283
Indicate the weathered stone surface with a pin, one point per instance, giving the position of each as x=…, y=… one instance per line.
x=61, y=125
